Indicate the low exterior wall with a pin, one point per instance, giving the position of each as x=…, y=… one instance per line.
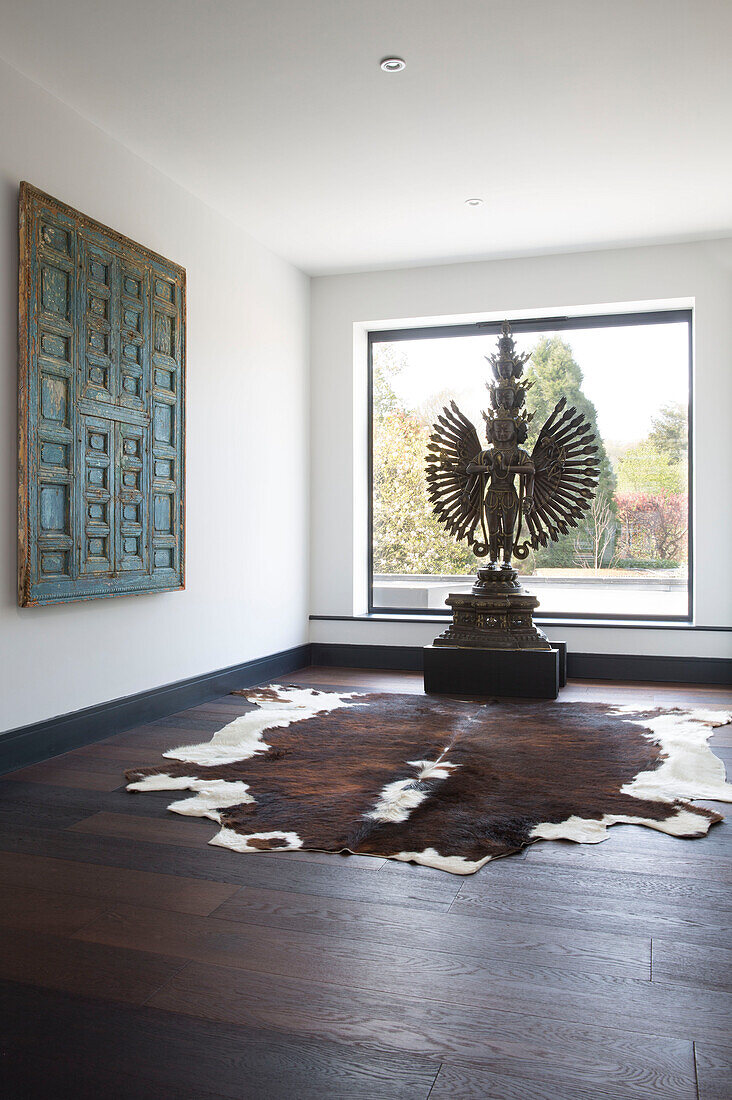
x=652, y=595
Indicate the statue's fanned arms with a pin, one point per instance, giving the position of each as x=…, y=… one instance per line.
x=474, y=492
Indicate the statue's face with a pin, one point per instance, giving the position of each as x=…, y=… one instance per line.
x=506, y=397
x=503, y=430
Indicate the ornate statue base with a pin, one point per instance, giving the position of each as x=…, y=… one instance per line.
x=497, y=614
x=492, y=646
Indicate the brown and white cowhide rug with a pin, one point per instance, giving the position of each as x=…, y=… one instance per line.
x=443, y=782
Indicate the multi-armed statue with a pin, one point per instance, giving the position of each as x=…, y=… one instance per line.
x=503, y=501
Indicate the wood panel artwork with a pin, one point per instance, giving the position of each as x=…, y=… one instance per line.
x=101, y=410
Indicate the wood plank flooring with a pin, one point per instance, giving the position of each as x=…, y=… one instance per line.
x=138, y=962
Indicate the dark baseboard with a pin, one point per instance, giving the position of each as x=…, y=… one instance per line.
x=403, y=658
x=712, y=671
x=29, y=744
x=580, y=666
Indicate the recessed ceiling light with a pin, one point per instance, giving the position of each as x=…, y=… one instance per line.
x=393, y=64
x=473, y=202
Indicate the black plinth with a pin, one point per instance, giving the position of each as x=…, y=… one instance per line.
x=518, y=673
x=562, y=647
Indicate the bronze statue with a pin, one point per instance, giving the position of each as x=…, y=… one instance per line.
x=493, y=497
x=497, y=468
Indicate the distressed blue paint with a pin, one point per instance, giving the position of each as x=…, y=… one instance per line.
x=101, y=426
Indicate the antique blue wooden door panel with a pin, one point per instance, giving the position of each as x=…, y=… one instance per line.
x=131, y=525
x=134, y=336
x=167, y=422
x=49, y=426
x=101, y=402
x=97, y=491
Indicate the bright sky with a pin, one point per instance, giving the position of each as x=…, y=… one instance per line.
x=629, y=373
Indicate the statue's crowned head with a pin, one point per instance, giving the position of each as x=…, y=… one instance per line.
x=507, y=392
x=502, y=426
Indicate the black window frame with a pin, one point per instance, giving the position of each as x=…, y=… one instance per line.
x=528, y=325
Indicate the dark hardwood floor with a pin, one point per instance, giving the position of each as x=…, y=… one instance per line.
x=136, y=961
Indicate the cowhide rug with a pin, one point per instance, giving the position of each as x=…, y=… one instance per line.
x=443, y=782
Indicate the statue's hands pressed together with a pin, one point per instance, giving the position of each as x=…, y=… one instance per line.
x=479, y=467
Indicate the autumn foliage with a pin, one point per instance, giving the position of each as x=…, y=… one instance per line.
x=652, y=525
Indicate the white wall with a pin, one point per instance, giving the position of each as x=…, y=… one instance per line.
x=345, y=306
x=247, y=434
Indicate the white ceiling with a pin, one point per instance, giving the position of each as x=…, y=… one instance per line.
x=580, y=122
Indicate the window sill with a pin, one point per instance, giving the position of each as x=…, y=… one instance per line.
x=614, y=624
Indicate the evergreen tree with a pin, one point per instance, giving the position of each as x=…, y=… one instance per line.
x=669, y=433
x=555, y=373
